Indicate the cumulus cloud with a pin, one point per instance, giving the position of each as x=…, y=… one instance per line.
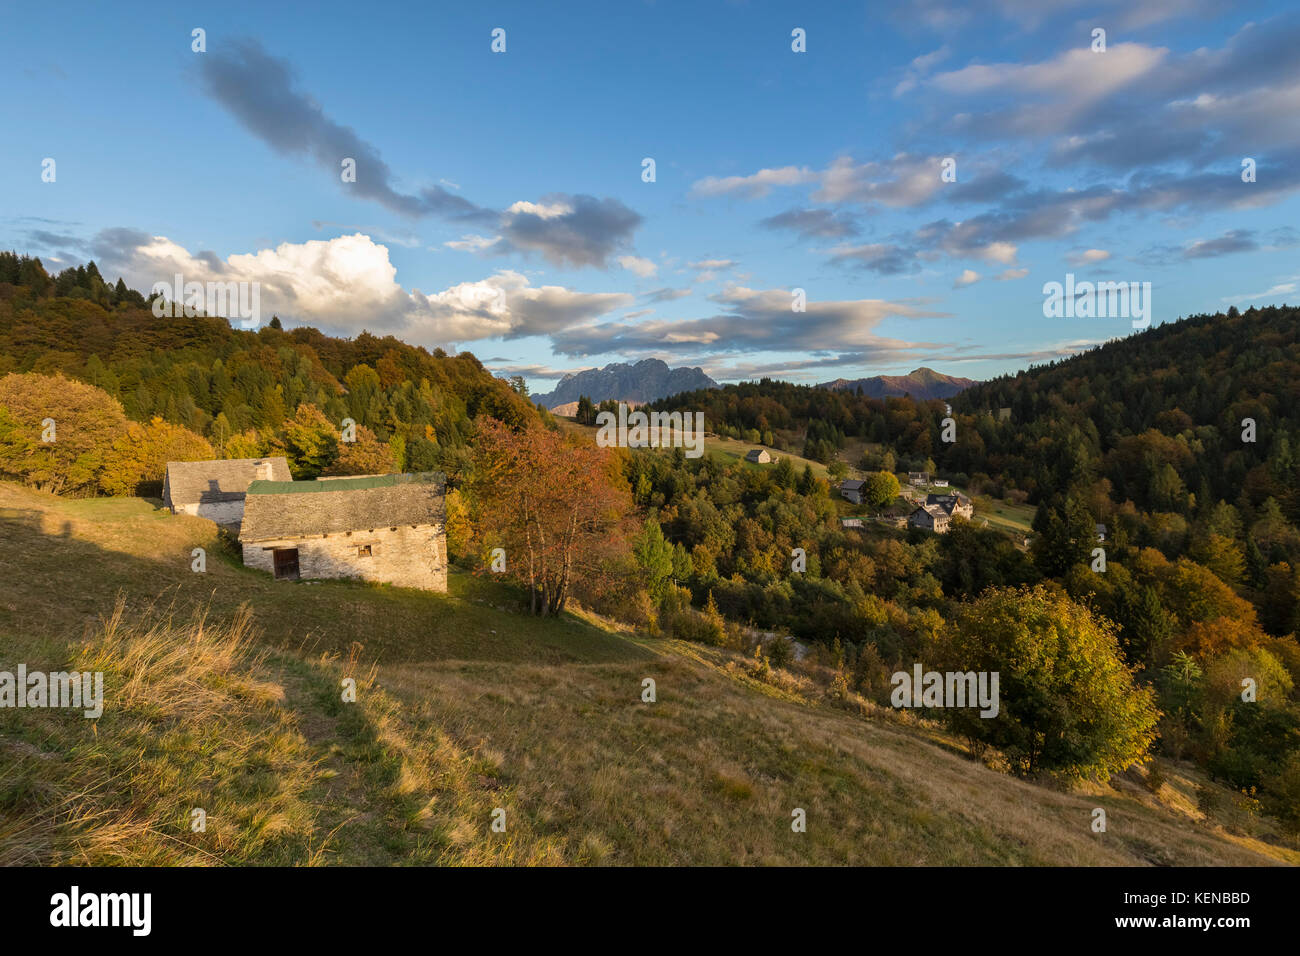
x=904, y=180
x=642, y=267
x=347, y=284
x=568, y=230
x=967, y=277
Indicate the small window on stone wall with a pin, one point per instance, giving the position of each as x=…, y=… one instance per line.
x=363, y=551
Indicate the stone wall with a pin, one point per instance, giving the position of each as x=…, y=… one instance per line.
x=408, y=557
x=222, y=512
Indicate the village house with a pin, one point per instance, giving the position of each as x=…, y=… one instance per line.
x=918, y=478
x=851, y=523
x=215, y=489
x=941, y=482
x=758, y=456
x=386, y=528
x=931, y=518
x=954, y=505
x=851, y=490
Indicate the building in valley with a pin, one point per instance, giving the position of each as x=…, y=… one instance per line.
x=955, y=505
x=851, y=490
x=215, y=489
x=385, y=528
x=758, y=456
x=931, y=518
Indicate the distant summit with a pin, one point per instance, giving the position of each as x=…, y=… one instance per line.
x=646, y=381
x=921, y=384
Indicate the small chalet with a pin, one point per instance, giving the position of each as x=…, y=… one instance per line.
x=215, y=489
x=852, y=490
x=386, y=528
x=941, y=482
x=758, y=456
x=931, y=518
x=851, y=523
x=954, y=505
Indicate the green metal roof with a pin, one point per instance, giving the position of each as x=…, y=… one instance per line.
x=325, y=485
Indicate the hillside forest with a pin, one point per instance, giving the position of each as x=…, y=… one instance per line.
x=1179, y=440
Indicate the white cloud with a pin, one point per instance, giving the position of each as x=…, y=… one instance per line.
x=541, y=210
x=1089, y=256
x=642, y=267
x=904, y=180
x=756, y=185
x=347, y=284
x=472, y=243
x=968, y=277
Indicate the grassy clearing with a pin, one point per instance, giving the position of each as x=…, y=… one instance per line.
x=726, y=451
x=1005, y=515
x=466, y=706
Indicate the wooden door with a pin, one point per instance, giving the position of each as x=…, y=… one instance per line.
x=286, y=563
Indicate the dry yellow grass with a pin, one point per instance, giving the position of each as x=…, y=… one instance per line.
x=465, y=708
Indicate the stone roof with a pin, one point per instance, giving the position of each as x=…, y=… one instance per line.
x=947, y=502
x=852, y=484
x=300, y=509
x=192, y=482
x=934, y=511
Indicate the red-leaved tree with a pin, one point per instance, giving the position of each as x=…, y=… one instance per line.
x=556, y=505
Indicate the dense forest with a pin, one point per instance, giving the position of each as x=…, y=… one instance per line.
x=1177, y=439
x=247, y=393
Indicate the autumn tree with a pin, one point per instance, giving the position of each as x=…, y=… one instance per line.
x=55, y=432
x=309, y=441
x=880, y=488
x=554, y=503
x=139, y=456
x=1067, y=701
x=365, y=456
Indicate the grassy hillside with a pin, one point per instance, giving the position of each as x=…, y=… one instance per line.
x=465, y=705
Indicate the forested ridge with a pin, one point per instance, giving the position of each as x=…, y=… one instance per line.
x=239, y=389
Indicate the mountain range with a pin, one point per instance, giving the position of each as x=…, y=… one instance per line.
x=645, y=381
x=922, y=384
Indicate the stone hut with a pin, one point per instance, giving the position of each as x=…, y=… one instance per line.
x=387, y=528
x=215, y=489
x=758, y=456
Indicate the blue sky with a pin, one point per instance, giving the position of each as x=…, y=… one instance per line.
x=499, y=205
